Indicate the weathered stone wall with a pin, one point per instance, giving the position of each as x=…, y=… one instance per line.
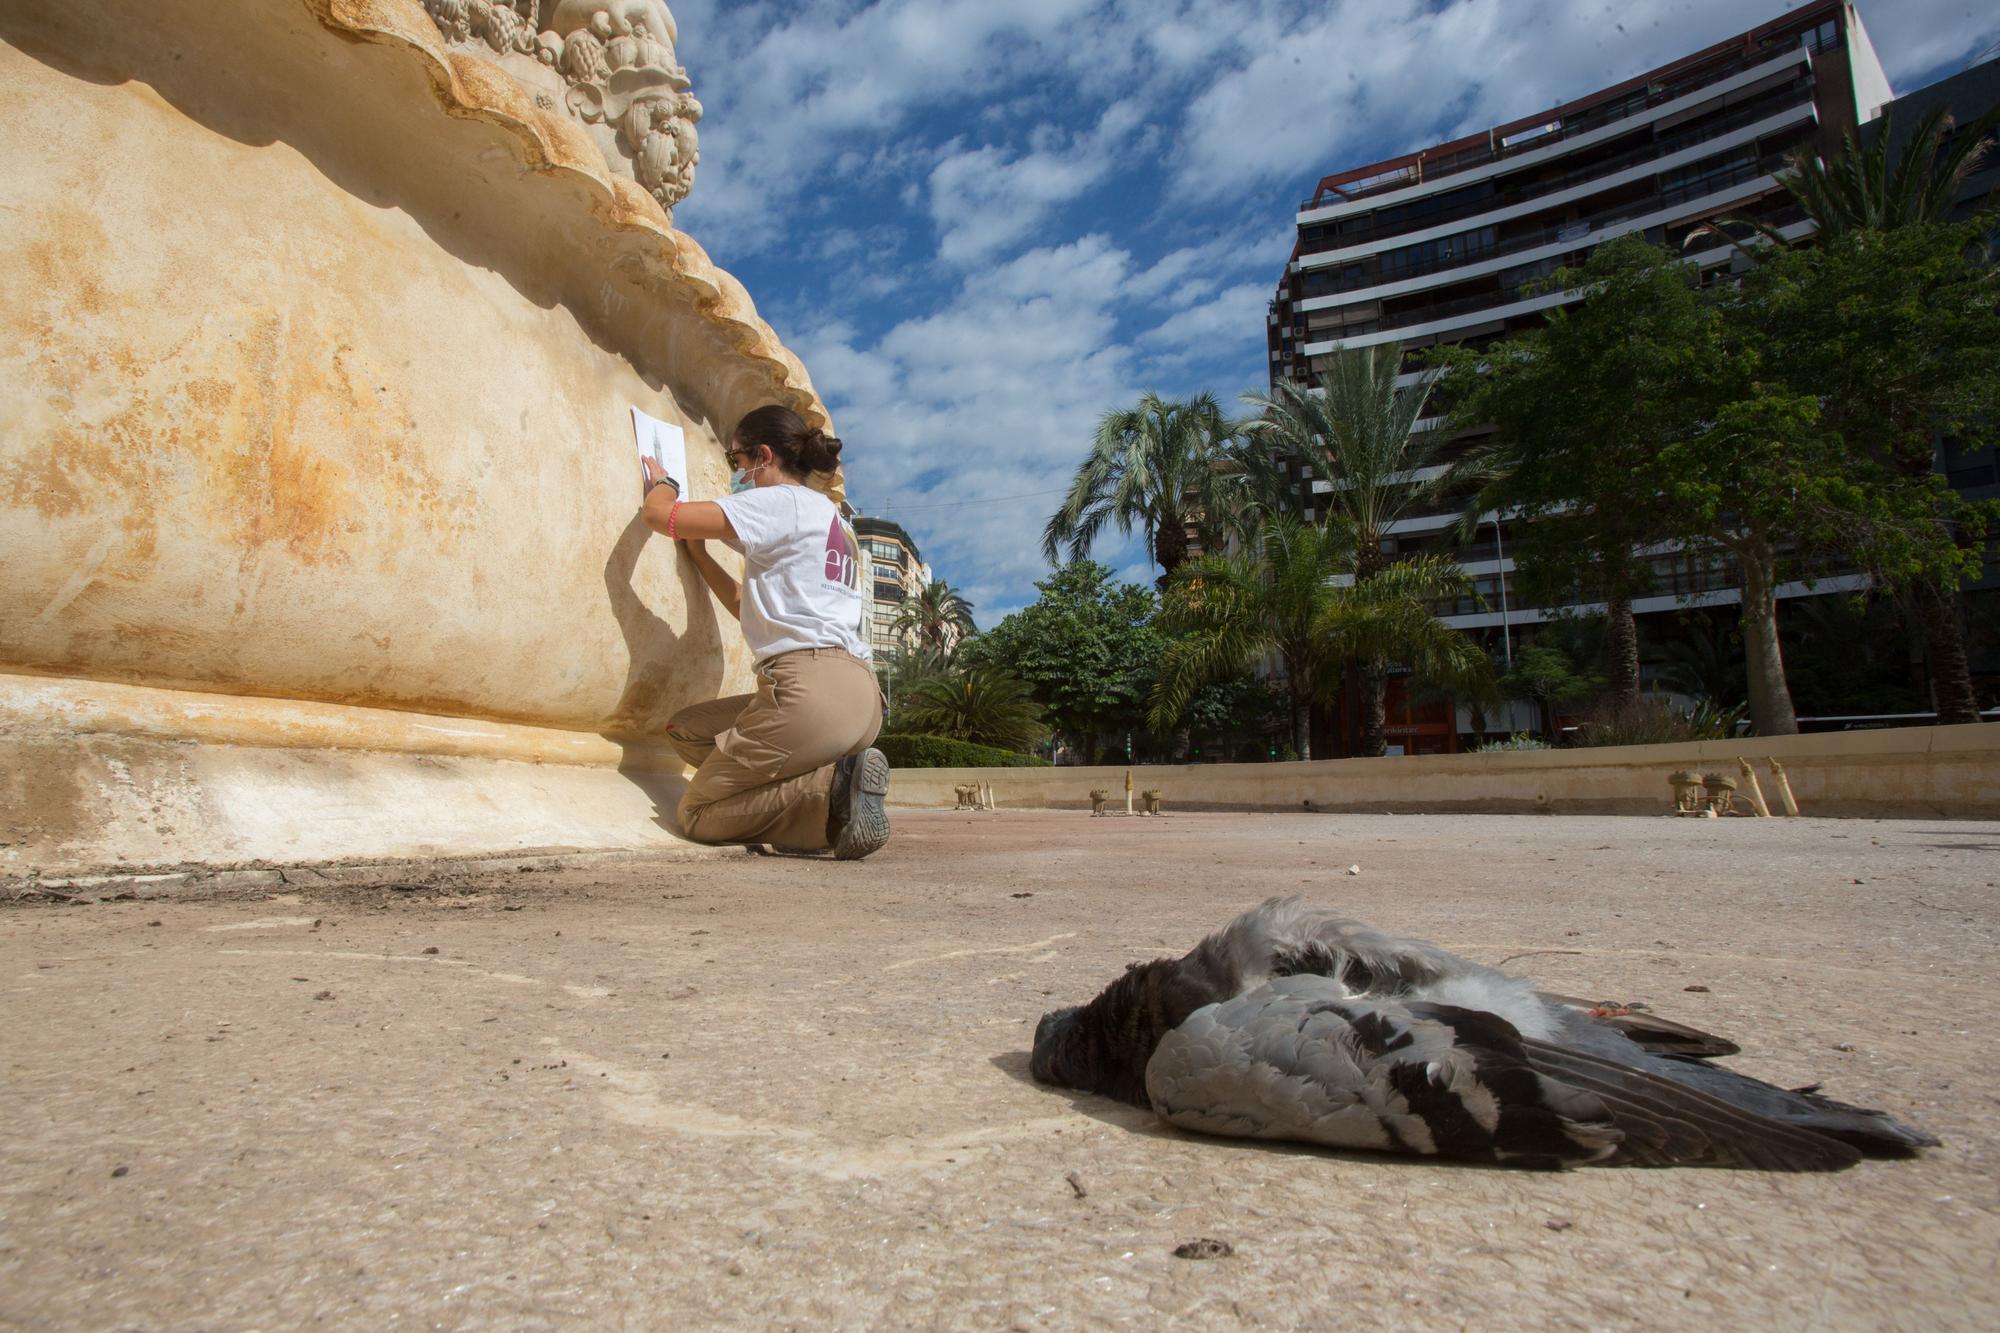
x=316, y=357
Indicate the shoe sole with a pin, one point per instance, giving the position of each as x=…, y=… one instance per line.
x=867, y=825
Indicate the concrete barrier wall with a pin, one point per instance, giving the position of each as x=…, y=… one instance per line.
x=1907, y=772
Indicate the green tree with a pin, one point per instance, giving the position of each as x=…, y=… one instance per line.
x=1889, y=317
x=1545, y=676
x=1567, y=436
x=1087, y=648
x=1712, y=448
x=934, y=620
x=1893, y=335
x=1356, y=430
x=1225, y=613
x=1152, y=466
x=981, y=704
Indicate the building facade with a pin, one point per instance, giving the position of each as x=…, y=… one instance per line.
x=896, y=572
x=1450, y=245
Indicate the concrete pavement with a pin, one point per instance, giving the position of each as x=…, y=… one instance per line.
x=757, y=1091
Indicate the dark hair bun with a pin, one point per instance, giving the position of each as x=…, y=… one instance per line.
x=819, y=451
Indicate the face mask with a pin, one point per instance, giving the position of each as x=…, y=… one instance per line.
x=739, y=478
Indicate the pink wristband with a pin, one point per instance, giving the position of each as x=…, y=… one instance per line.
x=673, y=515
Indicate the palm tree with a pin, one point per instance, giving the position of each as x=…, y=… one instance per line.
x=1357, y=430
x=1153, y=467
x=981, y=704
x=1862, y=190
x=1227, y=613
x=935, y=619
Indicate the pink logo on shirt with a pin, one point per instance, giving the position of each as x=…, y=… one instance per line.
x=842, y=566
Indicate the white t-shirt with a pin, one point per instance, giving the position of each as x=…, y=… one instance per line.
x=802, y=571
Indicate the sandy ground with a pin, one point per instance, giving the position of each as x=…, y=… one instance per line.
x=755, y=1091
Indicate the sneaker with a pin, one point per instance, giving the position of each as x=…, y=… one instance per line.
x=857, y=823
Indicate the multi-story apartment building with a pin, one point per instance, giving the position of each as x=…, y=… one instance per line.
x=896, y=572
x=1449, y=244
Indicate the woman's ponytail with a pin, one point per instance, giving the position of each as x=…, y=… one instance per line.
x=800, y=449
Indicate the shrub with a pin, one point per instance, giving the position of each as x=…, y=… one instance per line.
x=1520, y=740
x=983, y=705
x=943, y=752
x=1654, y=721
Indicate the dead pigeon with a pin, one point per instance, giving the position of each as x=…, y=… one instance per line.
x=1292, y=1023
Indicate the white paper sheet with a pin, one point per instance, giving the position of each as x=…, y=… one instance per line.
x=665, y=444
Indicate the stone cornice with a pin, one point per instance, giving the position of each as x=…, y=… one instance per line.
x=551, y=141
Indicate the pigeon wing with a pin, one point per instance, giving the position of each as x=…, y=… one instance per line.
x=1301, y=1059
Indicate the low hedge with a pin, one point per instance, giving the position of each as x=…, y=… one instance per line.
x=943, y=752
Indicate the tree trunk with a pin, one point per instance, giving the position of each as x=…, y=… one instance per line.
x=1944, y=646
x=1764, y=657
x=1621, y=646
x=1374, y=685
x=1301, y=728
x=1368, y=562
x=1170, y=548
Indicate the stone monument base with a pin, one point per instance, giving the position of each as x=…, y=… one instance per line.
x=100, y=778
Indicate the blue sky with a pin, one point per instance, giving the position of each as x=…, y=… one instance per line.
x=983, y=223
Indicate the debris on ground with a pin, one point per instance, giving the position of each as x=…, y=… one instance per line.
x=1076, y=1183
x=1205, y=1247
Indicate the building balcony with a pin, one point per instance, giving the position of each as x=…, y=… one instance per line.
x=1638, y=164
x=1330, y=290
x=1443, y=317
x=1590, y=126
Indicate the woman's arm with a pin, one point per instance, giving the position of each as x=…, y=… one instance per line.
x=691, y=522
x=726, y=589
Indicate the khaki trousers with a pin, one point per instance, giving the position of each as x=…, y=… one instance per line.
x=764, y=762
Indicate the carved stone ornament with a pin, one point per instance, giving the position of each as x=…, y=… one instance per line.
x=609, y=62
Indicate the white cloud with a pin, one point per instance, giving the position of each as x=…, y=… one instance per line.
x=985, y=199
x=1234, y=314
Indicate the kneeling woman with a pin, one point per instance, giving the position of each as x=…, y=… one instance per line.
x=790, y=764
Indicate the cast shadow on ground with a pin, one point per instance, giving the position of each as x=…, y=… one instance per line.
x=1145, y=1124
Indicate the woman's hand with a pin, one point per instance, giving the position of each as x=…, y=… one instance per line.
x=655, y=474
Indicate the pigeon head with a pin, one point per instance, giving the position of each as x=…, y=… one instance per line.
x=1103, y=1046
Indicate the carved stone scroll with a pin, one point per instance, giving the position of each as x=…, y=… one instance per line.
x=609, y=63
